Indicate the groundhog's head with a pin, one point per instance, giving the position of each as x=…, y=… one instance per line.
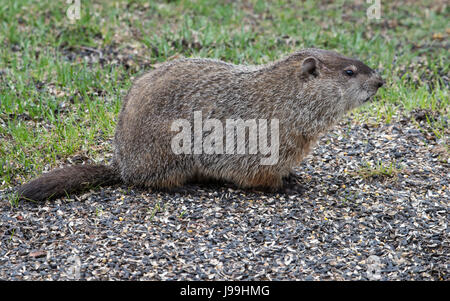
x=342, y=81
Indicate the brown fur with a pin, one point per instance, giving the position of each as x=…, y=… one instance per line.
x=307, y=92
x=62, y=181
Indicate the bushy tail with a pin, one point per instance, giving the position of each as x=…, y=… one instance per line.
x=62, y=181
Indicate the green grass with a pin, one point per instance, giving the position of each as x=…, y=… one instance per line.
x=59, y=99
x=379, y=170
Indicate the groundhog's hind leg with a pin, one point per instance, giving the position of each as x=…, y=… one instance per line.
x=168, y=182
x=175, y=175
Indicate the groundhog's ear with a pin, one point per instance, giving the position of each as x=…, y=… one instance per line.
x=310, y=67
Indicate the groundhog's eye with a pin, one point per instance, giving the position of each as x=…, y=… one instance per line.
x=349, y=72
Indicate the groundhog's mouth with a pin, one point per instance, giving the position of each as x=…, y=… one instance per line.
x=367, y=99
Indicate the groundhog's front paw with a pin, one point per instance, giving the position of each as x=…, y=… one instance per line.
x=292, y=183
x=291, y=178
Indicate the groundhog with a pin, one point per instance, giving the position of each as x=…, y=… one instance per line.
x=193, y=119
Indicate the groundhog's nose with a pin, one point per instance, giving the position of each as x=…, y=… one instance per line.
x=380, y=83
x=377, y=81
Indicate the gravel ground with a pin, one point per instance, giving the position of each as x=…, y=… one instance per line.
x=341, y=217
